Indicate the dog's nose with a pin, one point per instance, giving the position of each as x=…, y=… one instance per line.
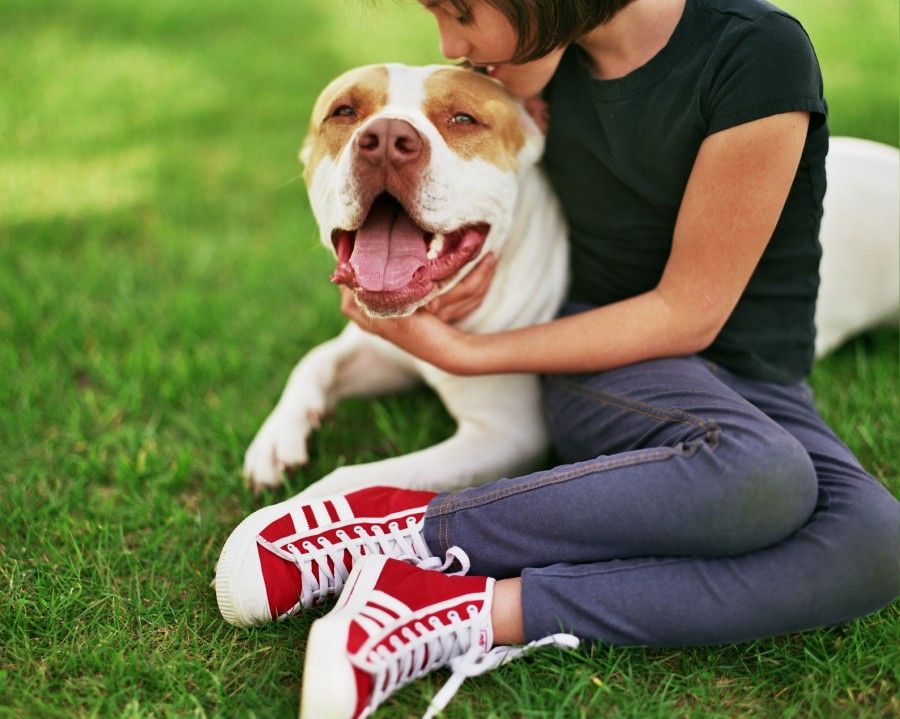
x=389, y=138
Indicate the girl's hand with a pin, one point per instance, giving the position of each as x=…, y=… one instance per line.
x=466, y=297
x=539, y=111
x=422, y=334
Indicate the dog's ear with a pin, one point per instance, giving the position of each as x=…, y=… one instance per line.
x=533, y=116
x=306, y=150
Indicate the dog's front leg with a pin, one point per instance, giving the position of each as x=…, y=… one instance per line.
x=500, y=433
x=353, y=363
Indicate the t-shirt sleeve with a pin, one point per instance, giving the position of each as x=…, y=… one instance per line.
x=768, y=67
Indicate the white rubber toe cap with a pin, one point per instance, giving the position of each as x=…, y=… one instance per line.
x=240, y=587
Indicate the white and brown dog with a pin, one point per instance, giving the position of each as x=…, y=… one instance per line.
x=414, y=174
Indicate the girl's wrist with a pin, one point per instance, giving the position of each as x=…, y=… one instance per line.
x=465, y=356
x=478, y=354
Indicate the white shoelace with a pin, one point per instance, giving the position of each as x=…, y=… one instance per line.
x=476, y=661
x=401, y=543
x=431, y=647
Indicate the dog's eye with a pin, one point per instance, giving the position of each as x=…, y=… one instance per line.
x=343, y=111
x=463, y=118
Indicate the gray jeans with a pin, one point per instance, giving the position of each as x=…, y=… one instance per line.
x=698, y=507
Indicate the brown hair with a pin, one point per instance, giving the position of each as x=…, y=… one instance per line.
x=544, y=25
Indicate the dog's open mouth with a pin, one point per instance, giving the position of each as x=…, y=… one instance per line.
x=391, y=262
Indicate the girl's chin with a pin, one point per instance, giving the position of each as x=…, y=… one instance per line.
x=517, y=82
x=529, y=79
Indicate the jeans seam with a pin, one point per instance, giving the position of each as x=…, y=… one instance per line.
x=444, y=525
x=638, y=407
x=598, y=465
x=615, y=570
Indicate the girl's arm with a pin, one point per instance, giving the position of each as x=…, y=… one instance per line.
x=732, y=202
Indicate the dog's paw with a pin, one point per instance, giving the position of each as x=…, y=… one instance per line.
x=279, y=446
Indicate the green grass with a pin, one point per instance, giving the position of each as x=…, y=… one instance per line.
x=159, y=276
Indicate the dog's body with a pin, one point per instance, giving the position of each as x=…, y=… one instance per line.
x=413, y=175
x=860, y=235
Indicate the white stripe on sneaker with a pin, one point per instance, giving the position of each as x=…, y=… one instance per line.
x=321, y=514
x=304, y=530
x=378, y=615
x=388, y=602
x=342, y=507
x=370, y=626
x=301, y=526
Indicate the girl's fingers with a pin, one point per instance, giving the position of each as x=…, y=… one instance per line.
x=467, y=296
x=457, y=311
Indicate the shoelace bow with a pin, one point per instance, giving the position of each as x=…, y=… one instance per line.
x=476, y=661
x=405, y=544
x=428, y=648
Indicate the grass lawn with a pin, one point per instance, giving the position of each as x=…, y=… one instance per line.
x=159, y=276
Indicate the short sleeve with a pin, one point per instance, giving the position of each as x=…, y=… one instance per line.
x=768, y=67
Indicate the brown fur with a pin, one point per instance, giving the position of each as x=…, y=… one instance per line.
x=365, y=89
x=497, y=136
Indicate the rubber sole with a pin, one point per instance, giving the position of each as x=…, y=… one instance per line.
x=235, y=578
x=329, y=682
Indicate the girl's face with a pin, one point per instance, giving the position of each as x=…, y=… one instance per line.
x=484, y=37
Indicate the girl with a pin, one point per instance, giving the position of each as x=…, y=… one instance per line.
x=704, y=500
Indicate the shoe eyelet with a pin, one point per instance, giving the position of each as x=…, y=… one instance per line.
x=435, y=622
x=307, y=545
x=410, y=521
x=359, y=531
x=472, y=610
x=395, y=641
x=454, y=615
x=393, y=526
x=408, y=633
x=322, y=541
x=342, y=534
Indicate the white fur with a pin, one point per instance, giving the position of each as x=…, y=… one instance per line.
x=860, y=237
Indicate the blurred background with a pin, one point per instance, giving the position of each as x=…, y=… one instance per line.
x=159, y=276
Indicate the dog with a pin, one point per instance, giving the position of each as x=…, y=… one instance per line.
x=414, y=174
x=860, y=236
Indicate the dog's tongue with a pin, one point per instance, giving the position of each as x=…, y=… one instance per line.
x=389, y=249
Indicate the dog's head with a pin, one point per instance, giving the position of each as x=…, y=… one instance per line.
x=412, y=176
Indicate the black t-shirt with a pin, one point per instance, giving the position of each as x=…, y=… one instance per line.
x=619, y=153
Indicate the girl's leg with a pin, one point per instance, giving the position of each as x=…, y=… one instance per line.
x=699, y=530
x=666, y=460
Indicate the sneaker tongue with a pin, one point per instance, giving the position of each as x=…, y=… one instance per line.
x=389, y=249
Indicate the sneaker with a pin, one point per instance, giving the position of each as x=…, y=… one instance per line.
x=395, y=623
x=296, y=553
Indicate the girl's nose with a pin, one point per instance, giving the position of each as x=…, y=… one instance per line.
x=453, y=45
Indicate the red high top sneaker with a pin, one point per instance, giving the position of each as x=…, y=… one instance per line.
x=394, y=623
x=298, y=552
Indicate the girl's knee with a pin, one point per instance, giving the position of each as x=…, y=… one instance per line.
x=793, y=481
x=772, y=488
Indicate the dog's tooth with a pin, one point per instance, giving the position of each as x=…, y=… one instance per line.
x=434, y=249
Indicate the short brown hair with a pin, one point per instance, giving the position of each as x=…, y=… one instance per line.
x=544, y=25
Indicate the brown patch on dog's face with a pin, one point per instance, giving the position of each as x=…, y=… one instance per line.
x=496, y=134
x=340, y=109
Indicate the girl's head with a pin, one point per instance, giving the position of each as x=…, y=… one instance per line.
x=536, y=27
x=520, y=41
